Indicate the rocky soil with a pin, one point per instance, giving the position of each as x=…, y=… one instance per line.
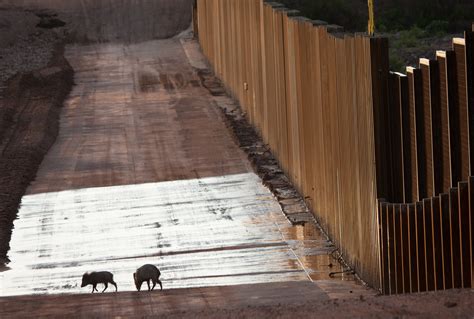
x=24, y=46
x=35, y=79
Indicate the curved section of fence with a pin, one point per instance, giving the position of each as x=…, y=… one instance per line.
x=428, y=245
x=315, y=95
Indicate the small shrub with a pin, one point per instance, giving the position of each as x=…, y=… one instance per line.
x=417, y=32
x=396, y=63
x=409, y=38
x=437, y=28
x=381, y=28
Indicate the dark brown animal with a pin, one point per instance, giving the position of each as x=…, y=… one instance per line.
x=147, y=273
x=100, y=277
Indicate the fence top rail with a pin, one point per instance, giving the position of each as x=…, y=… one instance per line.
x=299, y=18
x=288, y=12
x=460, y=41
x=332, y=29
x=399, y=74
x=274, y=4
x=425, y=61
x=319, y=23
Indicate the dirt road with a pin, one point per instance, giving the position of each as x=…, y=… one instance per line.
x=138, y=114
x=273, y=300
x=144, y=170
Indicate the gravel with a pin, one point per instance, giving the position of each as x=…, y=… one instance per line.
x=25, y=47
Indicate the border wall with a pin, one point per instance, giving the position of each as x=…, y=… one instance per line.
x=355, y=138
x=427, y=229
x=309, y=90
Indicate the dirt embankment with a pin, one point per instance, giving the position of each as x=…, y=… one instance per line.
x=27, y=42
x=113, y=20
x=34, y=80
x=29, y=122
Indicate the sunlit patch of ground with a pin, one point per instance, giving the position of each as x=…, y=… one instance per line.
x=212, y=231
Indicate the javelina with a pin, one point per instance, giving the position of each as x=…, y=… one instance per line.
x=147, y=273
x=100, y=277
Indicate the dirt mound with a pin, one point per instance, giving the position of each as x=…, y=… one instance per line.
x=111, y=20
x=24, y=47
x=29, y=114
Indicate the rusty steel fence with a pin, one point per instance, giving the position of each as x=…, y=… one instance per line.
x=311, y=91
x=430, y=124
x=427, y=240
x=348, y=133
x=427, y=245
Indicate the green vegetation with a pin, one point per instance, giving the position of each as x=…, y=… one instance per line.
x=415, y=28
x=433, y=16
x=349, y=14
x=437, y=28
x=396, y=63
x=391, y=15
x=409, y=38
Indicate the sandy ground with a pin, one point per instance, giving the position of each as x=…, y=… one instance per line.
x=456, y=304
x=273, y=300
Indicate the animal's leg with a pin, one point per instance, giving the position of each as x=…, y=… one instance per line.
x=140, y=286
x=94, y=287
x=159, y=283
x=154, y=284
x=113, y=283
x=105, y=288
x=148, y=283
